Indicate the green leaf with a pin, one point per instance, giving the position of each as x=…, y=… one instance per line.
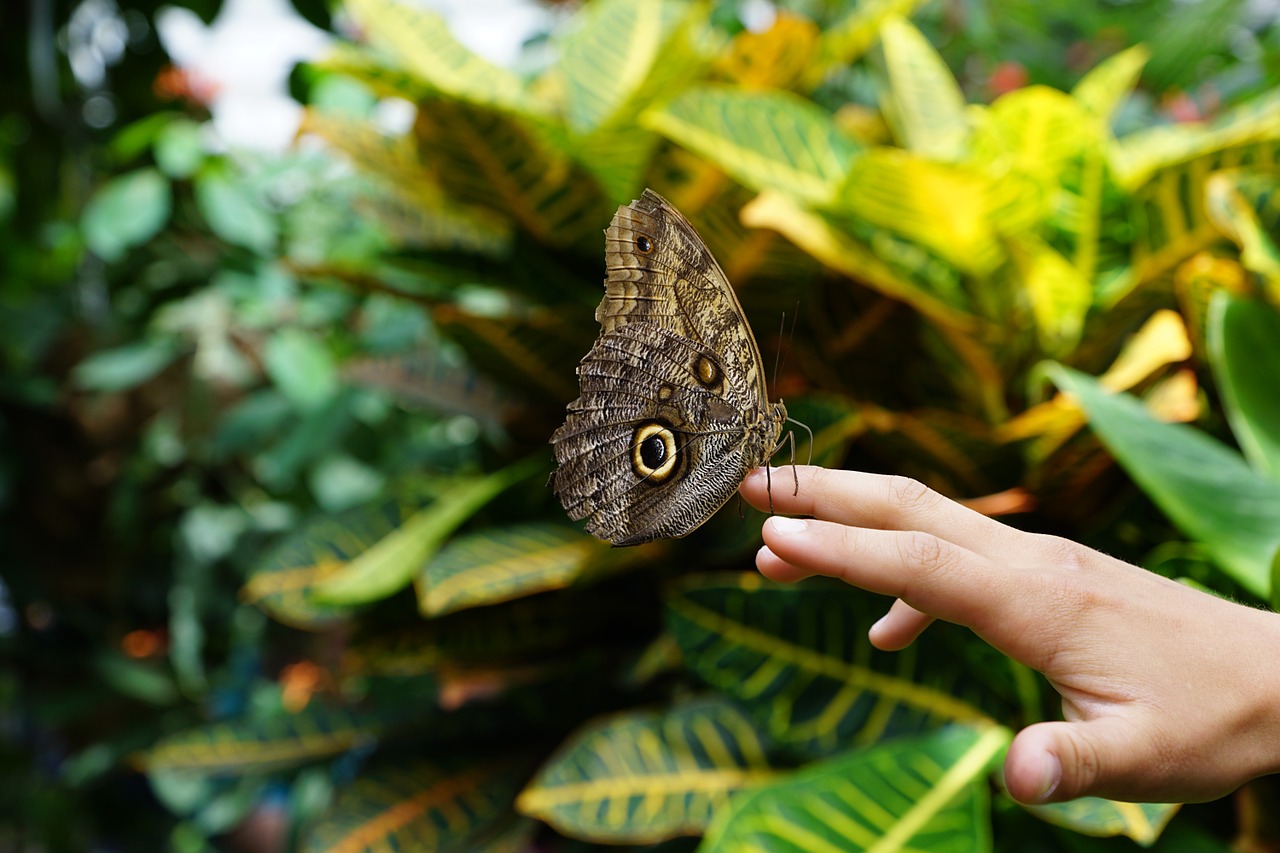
x=412, y=206
x=126, y=211
x=391, y=563
x=301, y=366
x=1060, y=296
x=179, y=149
x=419, y=805
x=1143, y=822
x=233, y=213
x=1244, y=351
x=420, y=40
x=924, y=104
x=283, y=583
x=923, y=793
x=641, y=777
x=501, y=564
x=607, y=56
x=846, y=40
x=125, y=367
x=841, y=252
x=1104, y=88
x=483, y=157
x=1035, y=131
x=1138, y=156
x=950, y=209
x=238, y=747
x=1233, y=199
x=798, y=658
x=1206, y=488
x=765, y=140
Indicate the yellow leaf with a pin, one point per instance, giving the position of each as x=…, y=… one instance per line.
x=948, y=208
x=1161, y=341
x=925, y=105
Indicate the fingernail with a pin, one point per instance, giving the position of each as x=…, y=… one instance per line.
x=1050, y=776
x=788, y=526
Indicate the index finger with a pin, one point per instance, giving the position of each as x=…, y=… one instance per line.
x=881, y=502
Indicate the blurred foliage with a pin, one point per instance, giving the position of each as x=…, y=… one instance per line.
x=279, y=568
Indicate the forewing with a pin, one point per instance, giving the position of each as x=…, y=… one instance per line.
x=660, y=272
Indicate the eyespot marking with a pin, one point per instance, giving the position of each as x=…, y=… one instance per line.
x=654, y=452
x=665, y=392
x=644, y=245
x=707, y=371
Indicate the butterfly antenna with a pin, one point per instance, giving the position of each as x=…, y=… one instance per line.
x=777, y=353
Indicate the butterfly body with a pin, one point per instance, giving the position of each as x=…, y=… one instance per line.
x=673, y=410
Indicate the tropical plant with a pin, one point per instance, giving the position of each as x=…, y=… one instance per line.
x=341, y=398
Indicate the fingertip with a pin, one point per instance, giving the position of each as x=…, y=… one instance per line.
x=775, y=568
x=1032, y=768
x=755, y=488
x=898, y=628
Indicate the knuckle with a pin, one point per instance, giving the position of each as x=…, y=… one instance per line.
x=1064, y=554
x=906, y=493
x=925, y=552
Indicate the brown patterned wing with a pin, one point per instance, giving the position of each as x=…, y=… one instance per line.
x=673, y=412
x=660, y=272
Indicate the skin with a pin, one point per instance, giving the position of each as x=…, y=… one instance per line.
x=1168, y=694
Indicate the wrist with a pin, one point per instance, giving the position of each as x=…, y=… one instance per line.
x=1262, y=725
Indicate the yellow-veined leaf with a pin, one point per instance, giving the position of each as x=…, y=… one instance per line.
x=1059, y=295
x=500, y=564
x=284, y=583
x=641, y=777
x=365, y=65
x=421, y=806
x=797, y=657
x=924, y=104
x=420, y=40
x=841, y=252
x=1143, y=822
x=623, y=56
x=948, y=208
x=235, y=747
x=480, y=156
x=510, y=632
x=1138, y=156
x=390, y=564
x=609, y=53
x=921, y=793
x=765, y=140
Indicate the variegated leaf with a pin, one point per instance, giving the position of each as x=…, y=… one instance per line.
x=644, y=776
x=501, y=564
x=420, y=40
x=765, y=140
x=389, y=565
x=797, y=657
x=923, y=104
x=920, y=793
x=1143, y=822
x=420, y=806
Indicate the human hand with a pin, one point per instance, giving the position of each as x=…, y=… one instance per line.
x=1168, y=694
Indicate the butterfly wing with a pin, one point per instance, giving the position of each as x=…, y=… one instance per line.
x=673, y=411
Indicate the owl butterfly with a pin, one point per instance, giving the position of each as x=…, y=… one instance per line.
x=673, y=410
